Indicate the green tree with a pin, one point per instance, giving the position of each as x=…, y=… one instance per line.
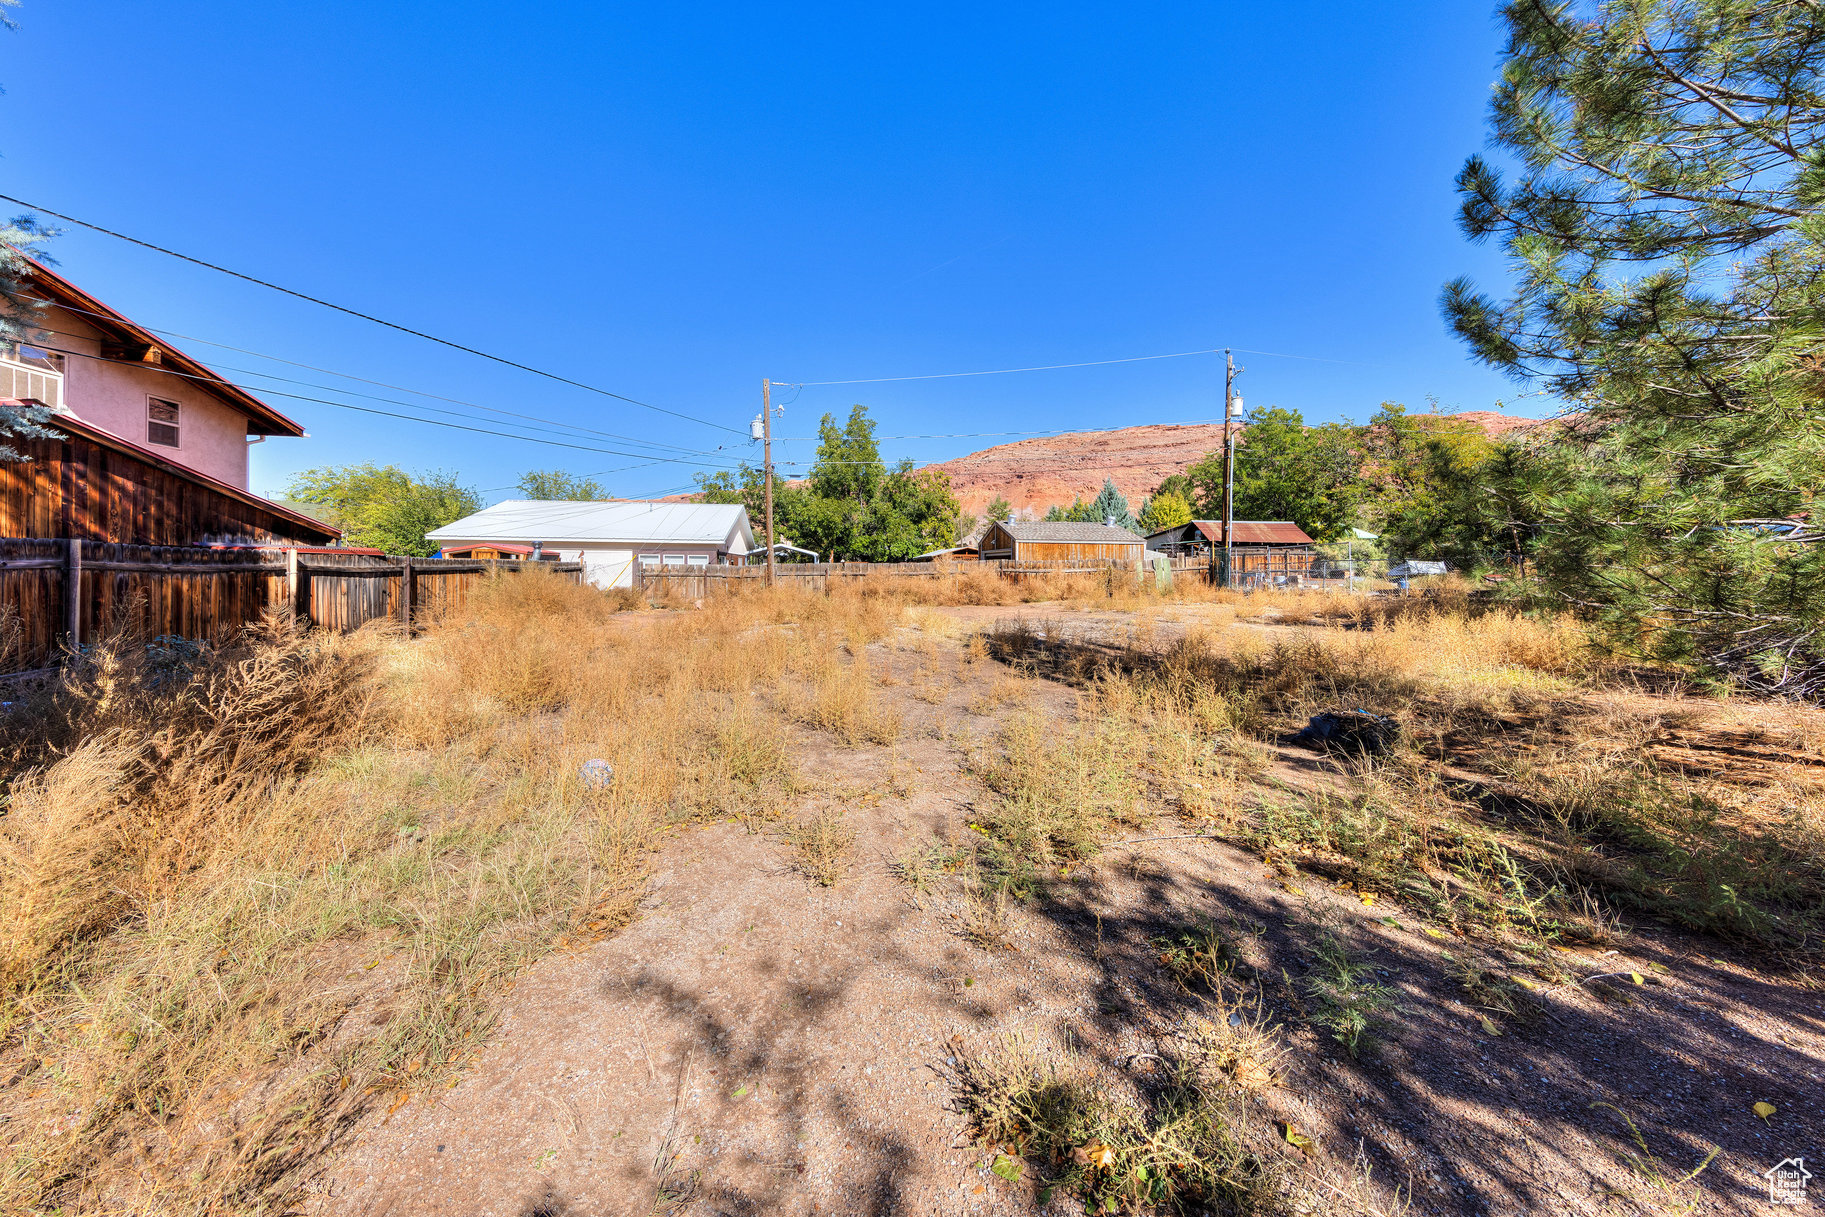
x=1416, y=472
x=382, y=506
x=1165, y=510
x=557, y=485
x=1176, y=483
x=21, y=239
x=1110, y=506
x=1286, y=470
x=1665, y=236
x=852, y=506
x=999, y=511
x=1079, y=512
x=848, y=459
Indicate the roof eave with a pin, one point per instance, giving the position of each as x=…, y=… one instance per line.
x=262, y=418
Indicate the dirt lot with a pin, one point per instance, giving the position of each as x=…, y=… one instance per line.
x=758, y=1042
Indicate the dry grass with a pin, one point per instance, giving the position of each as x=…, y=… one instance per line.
x=822, y=844
x=254, y=892
x=1177, y=1147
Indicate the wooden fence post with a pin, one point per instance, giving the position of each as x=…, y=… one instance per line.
x=72, y=592
x=406, y=589
x=298, y=586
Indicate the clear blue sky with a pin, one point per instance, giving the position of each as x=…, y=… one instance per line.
x=673, y=202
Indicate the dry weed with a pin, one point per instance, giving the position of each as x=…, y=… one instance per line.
x=822, y=844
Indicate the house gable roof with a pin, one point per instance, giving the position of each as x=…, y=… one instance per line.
x=262, y=418
x=605, y=522
x=1069, y=534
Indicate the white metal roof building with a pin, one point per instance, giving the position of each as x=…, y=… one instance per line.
x=611, y=537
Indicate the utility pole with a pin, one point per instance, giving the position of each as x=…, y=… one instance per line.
x=766, y=415
x=1230, y=402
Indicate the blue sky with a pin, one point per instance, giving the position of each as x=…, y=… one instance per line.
x=672, y=202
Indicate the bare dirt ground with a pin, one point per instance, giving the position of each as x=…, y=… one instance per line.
x=756, y=1043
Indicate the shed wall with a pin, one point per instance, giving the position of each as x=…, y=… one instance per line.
x=1074, y=551
x=78, y=487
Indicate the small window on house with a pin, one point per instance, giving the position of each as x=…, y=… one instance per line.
x=698, y=560
x=649, y=561
x=161, y=422
x=674, y=559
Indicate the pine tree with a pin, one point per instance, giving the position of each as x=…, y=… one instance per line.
x=1110, y=507
x=1666, y=239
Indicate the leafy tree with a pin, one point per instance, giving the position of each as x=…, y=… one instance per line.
x=557, y=485
x=1079, y=512
x=1416, y=471
x=1176, y=483
x=1110, y=505
x=382, y=506
x=1286, y=470
x=852, y=506
x=848, y=460
x=1666, y=238
x=1165, y=510
x=999, y=511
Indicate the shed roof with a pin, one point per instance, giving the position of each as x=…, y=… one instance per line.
x=605, y=522
x=1255, y=532
x=1069, y=534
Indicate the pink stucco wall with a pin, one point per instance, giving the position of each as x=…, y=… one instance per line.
x=112, y=395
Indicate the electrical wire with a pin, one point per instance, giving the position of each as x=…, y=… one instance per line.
x=1053, y=367
x=346, y=376
x=343, y=405
x=1050, y=367
x=570, y=433
x=381, y=321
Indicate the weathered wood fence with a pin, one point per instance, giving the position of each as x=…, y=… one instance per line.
x=1254, y=568
x=54, y=592
x=696, y=582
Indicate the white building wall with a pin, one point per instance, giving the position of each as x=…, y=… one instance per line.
x=609, y=566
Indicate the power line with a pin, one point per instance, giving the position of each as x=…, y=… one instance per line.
x=348, y=376
x=1193, y=422
x=431, y=422
x=1053, y=367
x=1050, y=367
x=392, y=325
x=369, y=396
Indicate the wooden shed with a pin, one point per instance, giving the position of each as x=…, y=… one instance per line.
x=1278, y=547
x=1044, y=541
x=92, y=485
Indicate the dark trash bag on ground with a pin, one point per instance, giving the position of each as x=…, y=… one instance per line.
x=1351, y=731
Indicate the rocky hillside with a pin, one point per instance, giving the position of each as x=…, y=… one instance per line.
x=1034, y=474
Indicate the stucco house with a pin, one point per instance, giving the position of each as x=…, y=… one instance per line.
x=151, y=446
x=612, y=537
x=98, y=365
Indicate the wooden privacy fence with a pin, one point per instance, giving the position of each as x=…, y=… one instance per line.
x=696, y=582
x=53, y=592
